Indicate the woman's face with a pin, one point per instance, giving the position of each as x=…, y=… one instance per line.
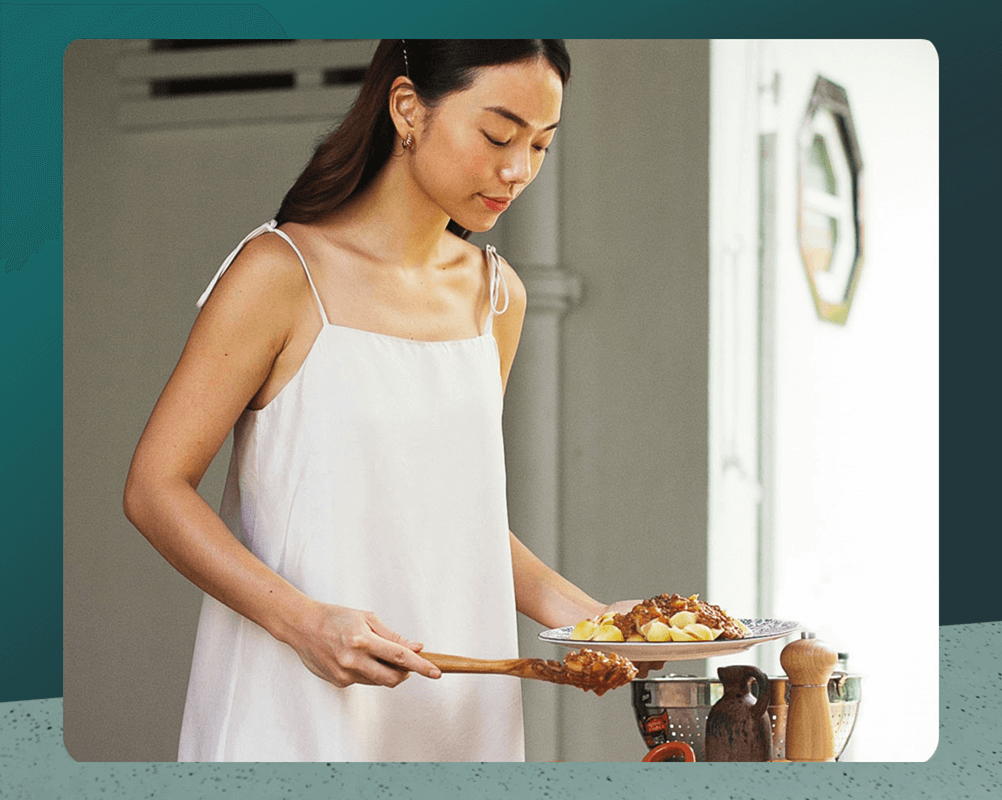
x=480, y=147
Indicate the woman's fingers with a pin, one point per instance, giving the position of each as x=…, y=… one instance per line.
x=357, y=666
x=374, y=672
x=646, y=667
x=393, y=649
x=621, y=606
x=373, y=653
x=383, y=663
x=347, y=646
x=380, y=629
x=404, y=658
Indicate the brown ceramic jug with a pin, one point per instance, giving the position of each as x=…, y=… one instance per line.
x=738, y=726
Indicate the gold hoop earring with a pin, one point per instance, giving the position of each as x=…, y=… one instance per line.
x=408, y=142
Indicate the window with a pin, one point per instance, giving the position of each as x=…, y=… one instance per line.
x=169, y=83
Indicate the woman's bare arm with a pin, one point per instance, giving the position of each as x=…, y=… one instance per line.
x=237, y=338
x=507, y=327
x=540, y=592
x=543, y=595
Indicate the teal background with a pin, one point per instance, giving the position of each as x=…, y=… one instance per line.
x=32, y=41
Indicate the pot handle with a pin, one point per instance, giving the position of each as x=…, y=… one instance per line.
x=664, y=751
x=764, y=691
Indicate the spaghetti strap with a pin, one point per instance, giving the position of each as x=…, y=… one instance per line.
x=498, y=286
x=306, y=269
x=269, y=227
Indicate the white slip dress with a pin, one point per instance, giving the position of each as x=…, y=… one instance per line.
x=374, y=480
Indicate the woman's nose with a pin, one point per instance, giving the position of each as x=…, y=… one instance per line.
x=518, y=167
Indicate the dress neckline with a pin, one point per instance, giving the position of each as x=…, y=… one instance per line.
x=393, y=337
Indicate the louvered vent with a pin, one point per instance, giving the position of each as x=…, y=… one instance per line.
x=169, y=83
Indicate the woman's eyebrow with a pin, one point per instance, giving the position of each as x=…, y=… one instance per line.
x=511, y=115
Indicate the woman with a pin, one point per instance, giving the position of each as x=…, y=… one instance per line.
x=359, y=348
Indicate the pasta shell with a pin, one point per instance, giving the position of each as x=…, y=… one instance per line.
x=584, y=630
x=681, y=635
x=656, y=631
x=683, y=618
x=701, y=632
x=607, y=633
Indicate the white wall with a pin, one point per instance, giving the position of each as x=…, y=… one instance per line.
x=853, y=489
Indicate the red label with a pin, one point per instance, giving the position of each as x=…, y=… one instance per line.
x=656, y=724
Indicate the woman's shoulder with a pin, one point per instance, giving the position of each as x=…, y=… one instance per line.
x=478, y=257
x=266, y=273
x=516, y=289
x=515, y=286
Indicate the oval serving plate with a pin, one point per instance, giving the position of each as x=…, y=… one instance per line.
x=762, y=630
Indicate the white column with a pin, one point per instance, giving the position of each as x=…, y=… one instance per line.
x=531, y=419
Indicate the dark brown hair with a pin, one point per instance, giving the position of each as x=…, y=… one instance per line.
x=347, y=160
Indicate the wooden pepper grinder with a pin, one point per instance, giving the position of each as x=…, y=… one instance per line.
x=809, y=663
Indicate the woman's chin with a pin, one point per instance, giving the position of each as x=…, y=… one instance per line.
x=478, y=225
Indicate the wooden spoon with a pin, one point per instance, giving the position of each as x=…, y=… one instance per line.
x=586, y=669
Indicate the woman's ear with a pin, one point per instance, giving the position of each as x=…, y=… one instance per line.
x=405, y=107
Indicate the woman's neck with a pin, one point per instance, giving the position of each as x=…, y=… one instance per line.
x=395, y=220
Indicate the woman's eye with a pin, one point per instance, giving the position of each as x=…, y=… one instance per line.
x=539, y=148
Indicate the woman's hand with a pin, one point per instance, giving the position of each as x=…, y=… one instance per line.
x=643, y=667
x=346, y=646
x=620, y=607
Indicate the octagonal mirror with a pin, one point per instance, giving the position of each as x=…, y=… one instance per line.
x=829, y=214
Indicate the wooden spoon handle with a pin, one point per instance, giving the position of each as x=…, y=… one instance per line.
x=519, y=667
x=587, y=670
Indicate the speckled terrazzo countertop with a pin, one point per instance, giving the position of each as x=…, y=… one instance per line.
x=968, y=763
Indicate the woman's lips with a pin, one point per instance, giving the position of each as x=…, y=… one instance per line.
x=495, y=203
